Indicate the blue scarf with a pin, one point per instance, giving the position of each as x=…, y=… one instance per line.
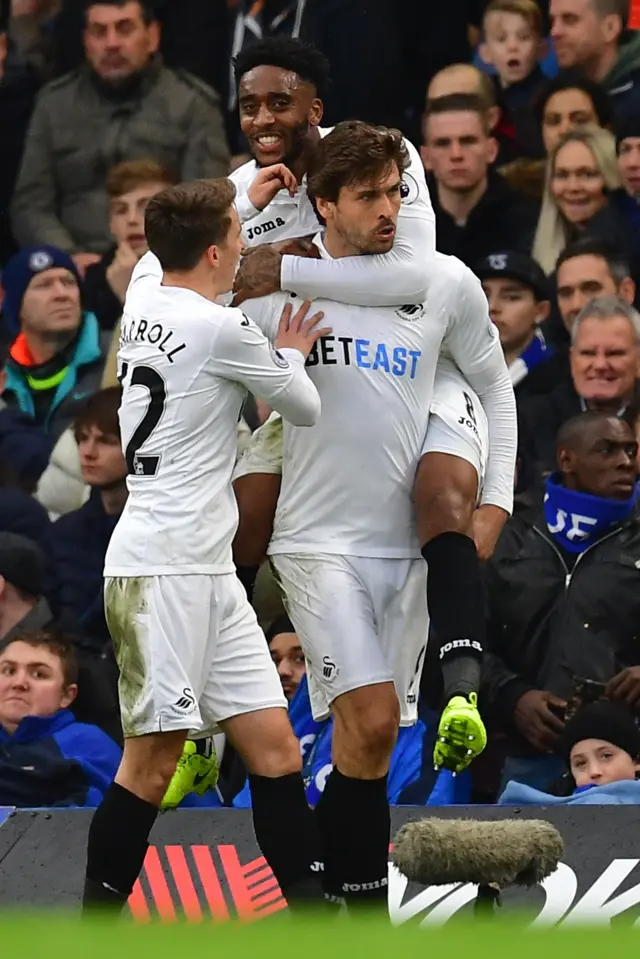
x=535, y=353
x=577, y=520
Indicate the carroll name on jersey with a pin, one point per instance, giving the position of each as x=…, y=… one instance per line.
x=141, y=331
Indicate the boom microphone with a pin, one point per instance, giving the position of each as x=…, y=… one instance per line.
x=436, y=852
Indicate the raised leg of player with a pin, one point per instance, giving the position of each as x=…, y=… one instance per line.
x=445, y=494
x=119, y=831
x=284, y=824
x=353, y=812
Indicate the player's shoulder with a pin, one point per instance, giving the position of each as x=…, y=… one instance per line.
x=450, y=276
x=244, y=175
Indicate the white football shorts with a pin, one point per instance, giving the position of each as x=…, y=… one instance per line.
x=190, y=653
x=458, y=424
x=360, y=621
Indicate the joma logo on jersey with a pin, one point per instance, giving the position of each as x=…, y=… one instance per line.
x=365, y=354
x=265, y=227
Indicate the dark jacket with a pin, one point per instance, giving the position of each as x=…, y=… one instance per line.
x=97, y=295
x=77, y=546
x=25, y=448
x=547, y=625
x=56, y=761
x=79, y=129
x=17, y=94
x=623, y=80
x=518, y=133
x=21, y=513
x=83, y=378
x=502, y=220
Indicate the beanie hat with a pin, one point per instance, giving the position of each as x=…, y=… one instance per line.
x=19, y=272
x=611, y=722
x=627, y=126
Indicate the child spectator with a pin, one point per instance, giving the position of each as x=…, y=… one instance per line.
x=130, y=186
x=513, y=45
x=46, y=757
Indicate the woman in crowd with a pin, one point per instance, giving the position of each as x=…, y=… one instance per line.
x=580, y=196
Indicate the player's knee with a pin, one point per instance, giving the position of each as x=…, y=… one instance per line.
x=371, y=736
x=447, y=510
x=276, y=758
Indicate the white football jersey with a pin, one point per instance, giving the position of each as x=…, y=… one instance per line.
x=347, y=482
x=185, y=365
x=386, y=279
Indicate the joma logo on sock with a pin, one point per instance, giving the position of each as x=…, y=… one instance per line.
x=460, y=644
x=364, y=886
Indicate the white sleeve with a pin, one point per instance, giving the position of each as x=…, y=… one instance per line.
x=265, y=311
x=389, y=279
x=243, y=353
x=473, y=342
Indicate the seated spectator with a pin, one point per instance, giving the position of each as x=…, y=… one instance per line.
x=47, y=758
x=518, y=295
x=567, y=102
x=130, y=186
x=78, y=541
x=589, y=269
x=562, y=595
x=628, y=142
x=476, y=211
x=23, y=608
x=594, y=35
x=604, y=367
x=122, y=104
x=286, y=652
x=19, y=511
x=581, y=175
x=601, y=748
x=56, y=357
x=513, y=46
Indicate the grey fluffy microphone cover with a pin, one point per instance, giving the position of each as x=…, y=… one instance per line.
x=435, y=852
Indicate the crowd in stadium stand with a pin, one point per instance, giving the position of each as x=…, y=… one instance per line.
x=527, y=116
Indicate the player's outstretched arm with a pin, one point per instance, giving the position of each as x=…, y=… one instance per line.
x=275, y=375
x=389, y=279
x=474, y=344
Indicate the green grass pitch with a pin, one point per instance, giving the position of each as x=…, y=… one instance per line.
x=50, y=936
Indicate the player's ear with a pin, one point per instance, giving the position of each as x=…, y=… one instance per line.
x=315, y=112
x=325, y=208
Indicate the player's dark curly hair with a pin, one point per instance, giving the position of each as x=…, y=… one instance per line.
x=288, y=53
x=354, y=152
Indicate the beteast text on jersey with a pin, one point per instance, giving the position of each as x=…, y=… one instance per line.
x=140, y=331
x=396, y=360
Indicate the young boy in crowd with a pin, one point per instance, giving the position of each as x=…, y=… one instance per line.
x=130, y=186
x=513, y=45
x=516, y=289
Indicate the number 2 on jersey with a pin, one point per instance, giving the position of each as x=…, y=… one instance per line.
x=145, y=376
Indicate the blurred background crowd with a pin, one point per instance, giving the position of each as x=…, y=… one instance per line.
x=527, y=115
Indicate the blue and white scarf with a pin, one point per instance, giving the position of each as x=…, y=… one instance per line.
x=535, y=353
x=577, y=520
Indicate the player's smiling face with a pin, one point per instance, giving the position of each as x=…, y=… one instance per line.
x=277, y=110
x=363, y=220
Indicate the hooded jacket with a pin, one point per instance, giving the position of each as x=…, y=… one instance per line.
x=623, y=80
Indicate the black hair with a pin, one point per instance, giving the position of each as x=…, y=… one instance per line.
x=282, y=624
x=593, y=246
x=573, y=431
x=575, y=79
x=288, y=53
x=146, y=6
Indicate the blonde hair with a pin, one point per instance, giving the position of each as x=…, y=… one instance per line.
x=552, y=233
x=527, y=9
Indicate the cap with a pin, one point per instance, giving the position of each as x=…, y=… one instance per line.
x=515, y=266
x=627, y=126
x=611, y=722
x=20, y=270
x=22, y=563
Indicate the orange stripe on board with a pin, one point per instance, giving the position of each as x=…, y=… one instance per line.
x=184, y=883
x=210, y=883
x=138, y=904
x=158, y=885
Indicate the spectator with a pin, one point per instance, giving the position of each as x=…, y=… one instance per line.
x=513, y=46
x=570, y=101
x=562, y=594
x=47, y=758
x=79, y=540
x=518, y=295
x=593, y=34
x=286, y=652
x=23, y=608
x=581, y=174
x=56, y=358
x=130, y=186
x=122, y=104
x=628, y=142
x=604, y=366
x=476, y=211
x=601, y=747
x=589, y=269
